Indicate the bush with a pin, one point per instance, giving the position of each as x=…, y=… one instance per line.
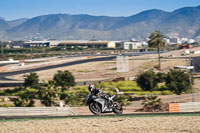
x=179, y=81
x=25, y=98
x=161, y=77
x=151, y=100
x=13, y=92
x=2, y=93
x=123, y=99
x=153, y=104
x=107, y=87
x=76, y=98
x=6, y=105
x=49, y=94
x=148, y=80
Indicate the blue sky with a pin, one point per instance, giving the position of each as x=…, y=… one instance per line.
x=14, y=9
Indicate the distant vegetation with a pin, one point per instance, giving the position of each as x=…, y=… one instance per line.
x=176, y=81
x=41, y=52
x=51, y=92
x=48, y=93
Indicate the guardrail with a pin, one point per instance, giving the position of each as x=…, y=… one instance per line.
x=185, y=107
x=77, y=83
x=37, y=111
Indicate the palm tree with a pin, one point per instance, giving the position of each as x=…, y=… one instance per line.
x=25, y=97
x=156, y=40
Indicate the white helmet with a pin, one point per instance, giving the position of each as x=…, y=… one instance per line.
x=91, y=88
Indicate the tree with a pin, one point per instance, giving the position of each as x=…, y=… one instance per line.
x=25, y=98
x=179, y=81
x=49, y=93
x=64, y=79
x=31, y=80
x=148, y=80
x=156, y=40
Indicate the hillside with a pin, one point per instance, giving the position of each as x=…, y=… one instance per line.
x=183, y=22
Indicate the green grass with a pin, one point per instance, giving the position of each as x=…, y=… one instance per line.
x=153, y=92
x=6, y=105
x=86, y=71
x=114, y=68
x=129, y=87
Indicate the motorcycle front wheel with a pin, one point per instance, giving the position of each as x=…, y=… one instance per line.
x=95, y=108
x=117, y=108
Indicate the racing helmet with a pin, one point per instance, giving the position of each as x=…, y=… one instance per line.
x=91, y=88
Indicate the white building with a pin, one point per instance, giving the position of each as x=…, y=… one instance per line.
x=41, y=44
x=167, y=40
x=132, y=45
x=175, y=40
x=74, y=43
x=90, y=44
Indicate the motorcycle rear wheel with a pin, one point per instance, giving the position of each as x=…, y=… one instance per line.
x=117, y=108
x=95, y=108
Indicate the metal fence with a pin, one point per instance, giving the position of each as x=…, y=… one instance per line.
x=37, y=111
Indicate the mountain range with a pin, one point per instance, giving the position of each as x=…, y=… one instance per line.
x=183, y=22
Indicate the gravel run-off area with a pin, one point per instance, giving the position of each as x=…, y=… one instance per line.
x=160, y=124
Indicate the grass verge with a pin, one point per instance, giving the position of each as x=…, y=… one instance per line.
x=141, y=115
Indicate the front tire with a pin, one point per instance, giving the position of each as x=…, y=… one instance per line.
x=95, y=108
x=117, y=108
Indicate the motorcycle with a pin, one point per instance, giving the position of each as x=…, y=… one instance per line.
x=103, y=104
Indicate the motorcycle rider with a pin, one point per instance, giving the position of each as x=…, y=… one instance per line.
x=97, y=92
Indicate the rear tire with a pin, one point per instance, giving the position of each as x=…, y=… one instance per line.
x=95, y=108
x=117, y=108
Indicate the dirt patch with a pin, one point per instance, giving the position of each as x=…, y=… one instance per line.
x=84, y=72
x=171, y=124
x=155, y=108
x=107, y=69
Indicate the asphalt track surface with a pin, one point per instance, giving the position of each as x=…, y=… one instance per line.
x=5, y=74
x=82, y=55
x=161, y=114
